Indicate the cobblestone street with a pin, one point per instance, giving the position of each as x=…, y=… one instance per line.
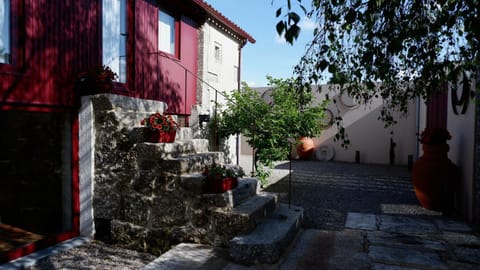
x=328, y=191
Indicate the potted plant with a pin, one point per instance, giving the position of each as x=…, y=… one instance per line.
x=160, y=128
x=434, y=175
x=221, y=178
x=96, y=80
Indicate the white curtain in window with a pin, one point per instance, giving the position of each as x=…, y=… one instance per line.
x=166, y=32
x=4, y=31
x=114, y=36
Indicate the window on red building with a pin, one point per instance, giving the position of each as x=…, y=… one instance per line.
x=5, y=31
x=114, y=37
x=166, y=32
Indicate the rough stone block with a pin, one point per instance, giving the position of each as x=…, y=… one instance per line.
x=193, y=182
x=247, y=187
x=136, y=209
x=167, y=210
x=128, y=235
x=244, y=217
x=191, y=163
x=269, y=239
x=106, y=202
x=145, y=182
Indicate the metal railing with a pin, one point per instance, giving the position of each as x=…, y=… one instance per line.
x=187, y=71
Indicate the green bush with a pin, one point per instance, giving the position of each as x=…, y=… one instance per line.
x=268, y=126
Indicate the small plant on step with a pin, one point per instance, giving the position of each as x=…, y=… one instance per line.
x=221, y=178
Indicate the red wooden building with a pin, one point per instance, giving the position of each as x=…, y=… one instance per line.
x=44, y=46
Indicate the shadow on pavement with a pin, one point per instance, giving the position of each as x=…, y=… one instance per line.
x=329, y=190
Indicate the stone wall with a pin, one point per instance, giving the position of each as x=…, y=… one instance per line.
x=108, y=128
x=139, y=197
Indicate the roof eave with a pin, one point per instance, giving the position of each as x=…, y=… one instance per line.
x=225, y=21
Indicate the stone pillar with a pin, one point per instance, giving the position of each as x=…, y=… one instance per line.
x=106, y=122
x=86, y=160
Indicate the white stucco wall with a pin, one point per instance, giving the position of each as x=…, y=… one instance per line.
x=221, y=75
x=367, y=134
x=462, y=129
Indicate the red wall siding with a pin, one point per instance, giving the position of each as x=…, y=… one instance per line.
x=56, y=40
x=160, y=76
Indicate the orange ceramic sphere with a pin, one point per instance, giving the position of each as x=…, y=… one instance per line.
x=305, y=148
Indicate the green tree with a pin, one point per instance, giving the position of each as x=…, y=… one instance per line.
x=267, y=126
x=393, y=49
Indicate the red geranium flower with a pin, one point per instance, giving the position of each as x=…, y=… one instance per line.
x=160, y=121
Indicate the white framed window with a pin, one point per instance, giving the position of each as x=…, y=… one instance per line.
x=218, y=52
x=114, y=37
x=212, y=77
x=166, y=32
x=5, y=31
x=235, y=73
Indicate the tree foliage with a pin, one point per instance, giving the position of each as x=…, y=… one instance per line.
x=291, y=114
x=393, y=49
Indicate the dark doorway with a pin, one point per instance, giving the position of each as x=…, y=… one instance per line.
x=35, y=177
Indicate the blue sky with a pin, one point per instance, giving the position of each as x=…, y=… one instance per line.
x=270, y=55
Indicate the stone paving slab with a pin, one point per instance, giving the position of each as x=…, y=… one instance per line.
x=361, y=221
x=318, y=249
x=379, y=238
x=407, y=225
x=406, y=257
x=460, y=239
x=311, y=251
x=452, y=225
x=379, y=266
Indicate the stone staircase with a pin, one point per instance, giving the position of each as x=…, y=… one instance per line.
x=248, y=225
x=150, y=196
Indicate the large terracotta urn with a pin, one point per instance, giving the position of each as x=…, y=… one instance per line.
x=305, y=147
x=435, y=178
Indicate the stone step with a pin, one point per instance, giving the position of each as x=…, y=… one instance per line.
x=270, y=238
x=184, y=134
x=244, y=217
x=192, y=163
x=247, y=187
x=187, y=256
x=193, y=182
x=160, y=151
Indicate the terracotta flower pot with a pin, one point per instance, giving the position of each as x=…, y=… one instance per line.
x=162, y=136
x=220, y=185
x=435, y=178
x=305, y=148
